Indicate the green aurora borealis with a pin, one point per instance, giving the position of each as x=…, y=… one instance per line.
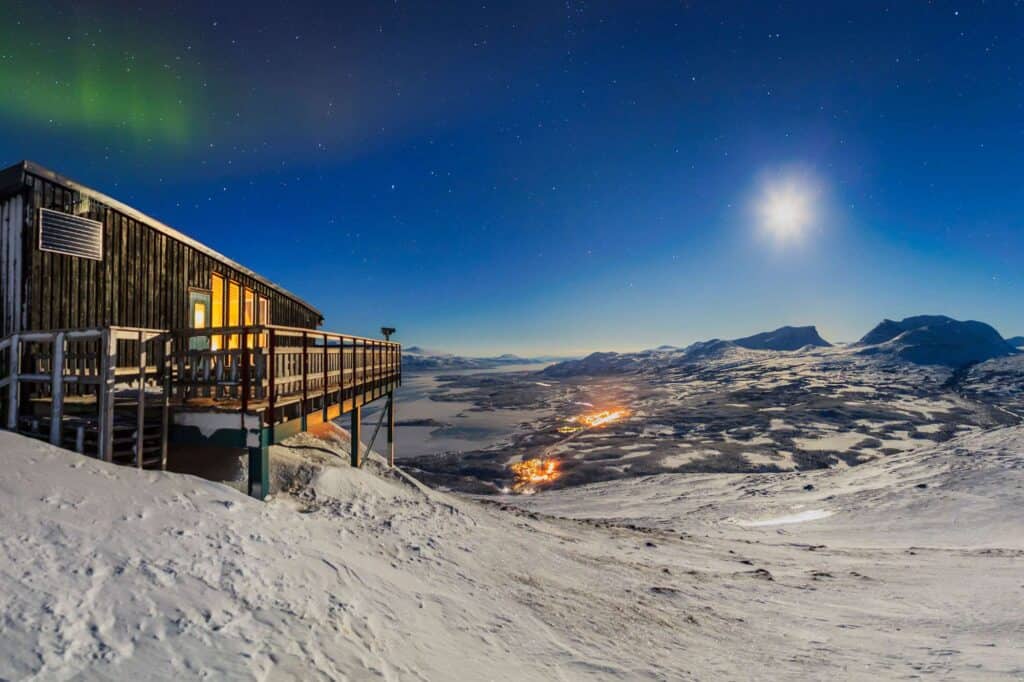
x=97, y=82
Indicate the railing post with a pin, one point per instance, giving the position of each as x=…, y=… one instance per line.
x=355, y=366
x=305, y=379
x=12, y=388
x=108, y=360
x=140, y=414
x=272, y=377
x=326, y=375
x=165, y=408
x=341, y=375
x=246, y=366
x=57, y=389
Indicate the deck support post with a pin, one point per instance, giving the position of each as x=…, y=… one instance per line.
x=391, y=428
x=259, y=462
x=57, y=389
x=357, y=418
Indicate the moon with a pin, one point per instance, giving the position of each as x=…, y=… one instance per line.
x=786, y=207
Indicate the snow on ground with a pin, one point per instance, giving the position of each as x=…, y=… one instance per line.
x=902, y=566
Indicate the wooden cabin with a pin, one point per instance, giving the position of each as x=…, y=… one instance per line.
x=123, y=337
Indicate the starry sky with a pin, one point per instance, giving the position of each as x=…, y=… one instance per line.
x=553, y=177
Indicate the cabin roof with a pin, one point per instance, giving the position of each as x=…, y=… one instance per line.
x=7, y=178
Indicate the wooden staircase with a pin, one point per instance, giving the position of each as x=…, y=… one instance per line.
x=67, y=388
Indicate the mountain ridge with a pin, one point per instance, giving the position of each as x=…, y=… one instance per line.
x=936, y=340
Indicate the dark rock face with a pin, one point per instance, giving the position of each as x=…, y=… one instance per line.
x=937, y=340
x=783, y=338
x=1016, y=341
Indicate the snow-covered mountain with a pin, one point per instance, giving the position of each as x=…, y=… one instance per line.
x=603, y=364
x=417, y=359
x=936, y=340
x=924, y=339
x=596, y=364
x=783, y=338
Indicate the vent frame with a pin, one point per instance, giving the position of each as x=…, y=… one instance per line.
x=82, y=245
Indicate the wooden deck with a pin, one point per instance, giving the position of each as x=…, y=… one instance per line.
x=100, y=380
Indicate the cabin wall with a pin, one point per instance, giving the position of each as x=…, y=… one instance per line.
x=12, y=222
x=142, y=281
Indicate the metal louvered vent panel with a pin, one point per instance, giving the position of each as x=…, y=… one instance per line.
x=70, y=234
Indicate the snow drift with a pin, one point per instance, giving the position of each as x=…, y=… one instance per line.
x=113, y=573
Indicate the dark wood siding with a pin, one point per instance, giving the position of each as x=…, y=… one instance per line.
x=12, y=221
x=142, y=281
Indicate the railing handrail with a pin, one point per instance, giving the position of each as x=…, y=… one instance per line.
x=297, y=331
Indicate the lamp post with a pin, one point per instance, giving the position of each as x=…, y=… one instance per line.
x=387, y=332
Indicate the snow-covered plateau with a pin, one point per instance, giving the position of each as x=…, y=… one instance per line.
x=905, y=565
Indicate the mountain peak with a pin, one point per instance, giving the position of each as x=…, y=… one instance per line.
x=783, y=338
x=937, y=340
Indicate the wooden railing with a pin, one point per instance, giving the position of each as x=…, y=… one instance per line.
x=266, y=367
x=102, y=363
x=269, y=369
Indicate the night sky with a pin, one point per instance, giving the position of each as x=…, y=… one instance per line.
x=555, y=177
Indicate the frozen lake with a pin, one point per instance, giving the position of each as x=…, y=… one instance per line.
x=462, y=427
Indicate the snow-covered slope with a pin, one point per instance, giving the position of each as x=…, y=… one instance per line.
x=112, y=573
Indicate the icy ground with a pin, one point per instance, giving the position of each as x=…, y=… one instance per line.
x=905, y=565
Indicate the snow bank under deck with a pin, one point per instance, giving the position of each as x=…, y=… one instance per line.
x=110, y=572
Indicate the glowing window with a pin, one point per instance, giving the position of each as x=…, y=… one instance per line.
x=234, y=311
x=216, y=309
x=250, y=307
x=264, y=317
x=199, y=315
